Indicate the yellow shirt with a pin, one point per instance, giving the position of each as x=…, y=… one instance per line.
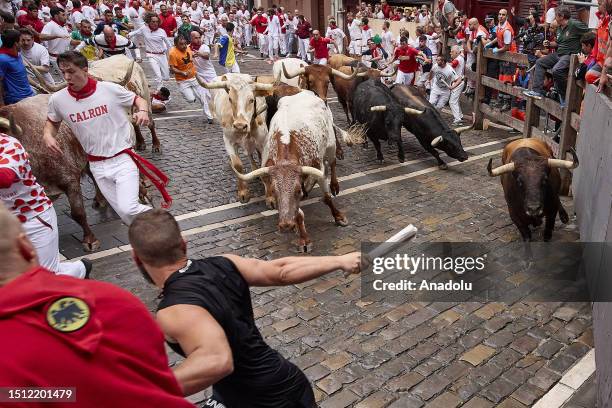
x=183, y=61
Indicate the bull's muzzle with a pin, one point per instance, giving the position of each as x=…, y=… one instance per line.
x=241, y=126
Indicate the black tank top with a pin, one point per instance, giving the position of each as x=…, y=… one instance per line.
x=261, y=377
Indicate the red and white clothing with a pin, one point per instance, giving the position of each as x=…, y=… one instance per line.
x=408, y=67
x=321, y=52
x=26, y=199
x=458, y=64
x=100, y=123
x=156, y=45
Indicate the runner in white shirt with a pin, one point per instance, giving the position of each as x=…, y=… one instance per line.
x=56, y=27
x=195, y=13
x=335, y=33
x=204, y=68
x=207, y=26
x=90, y=13
x=96, y=114
x=248, y=30
x=26, y=199
x=443, y=80
x=273, y=32
x=366, y=34
x=458, y=65
x=135, y=16
x=388, y=41
x=76, y=15
x=36, y=55
x=156, y=46
x=355, y=34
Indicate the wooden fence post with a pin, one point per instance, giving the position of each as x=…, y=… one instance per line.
x=573, y=101
x=479, y=91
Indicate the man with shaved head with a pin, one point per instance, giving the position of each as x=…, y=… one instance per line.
x=207, y=315
x=97, y=332
x=108, y=43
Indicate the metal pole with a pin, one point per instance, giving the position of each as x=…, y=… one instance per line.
x=578, y=3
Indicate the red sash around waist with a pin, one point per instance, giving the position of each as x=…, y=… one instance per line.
x=148, y=169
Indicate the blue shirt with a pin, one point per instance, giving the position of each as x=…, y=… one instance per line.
x=14, y=79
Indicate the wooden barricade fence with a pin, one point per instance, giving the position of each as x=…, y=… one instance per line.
x=530, y=127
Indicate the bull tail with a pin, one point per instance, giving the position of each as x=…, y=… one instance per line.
x=355, y=134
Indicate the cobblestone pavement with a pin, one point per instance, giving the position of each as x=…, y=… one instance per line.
x=357, y=353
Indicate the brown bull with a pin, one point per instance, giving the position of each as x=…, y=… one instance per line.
x=56, y=176
x=531, y=181
x=340, y=60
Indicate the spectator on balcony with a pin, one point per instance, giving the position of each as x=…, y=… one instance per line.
x=569, y=33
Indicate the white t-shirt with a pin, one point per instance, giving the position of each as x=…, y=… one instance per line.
x=337, y=35
x=550, y=15
x=460, y=68
x=354, y=30
x=59, y=45
x=76, y=18
x=99, y=122
x=274, y=28
x=25, y=198
x=155, y=41
x=90, y=14
x=44, y=13
x=423, y=19
x=387, y=41
x=103, y=7
x=195, y=15
x=204, y=67
x=207, y=27
x=39, y=56
x=365, y=36
x=135, y=17
x=442, y=77
x=432, y=43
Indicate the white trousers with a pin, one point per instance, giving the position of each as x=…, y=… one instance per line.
x=320, y=61
x=304, y=44
x=161, y=71
x=46, y=241
x=234, y=69
x=404, y=78
x=262, y=41
x=118, y=181
x=273, y=44
x=192, y=91
x=355, y=47
x=454, y=102
x=439, y=98
x=248, y=35
x=282, y=39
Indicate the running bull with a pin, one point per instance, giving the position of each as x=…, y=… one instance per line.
x=300, y=148
x=428, y=127
x=531, y=181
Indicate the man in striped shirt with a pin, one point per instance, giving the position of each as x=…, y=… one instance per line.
x=108, y=43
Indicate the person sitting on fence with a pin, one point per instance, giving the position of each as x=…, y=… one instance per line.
x=601, y=44
x=586, y=57
x=569, y=34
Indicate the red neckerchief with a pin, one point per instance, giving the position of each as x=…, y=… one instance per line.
x=59, y=24
x=194, y=48
x=365, y=27
x=156, y=97
x=86, y=91
x=9, y=51
x=74, y=10
x=333, y=26
x=113, y=43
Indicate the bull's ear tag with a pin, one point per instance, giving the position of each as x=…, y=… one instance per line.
x=68, y=314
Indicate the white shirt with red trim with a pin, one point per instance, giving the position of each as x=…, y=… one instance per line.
x=100, y=122
x=25, y=198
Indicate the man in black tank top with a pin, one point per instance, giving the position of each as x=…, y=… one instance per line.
x=207, y=316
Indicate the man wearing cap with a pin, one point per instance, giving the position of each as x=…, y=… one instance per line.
x=92, y=336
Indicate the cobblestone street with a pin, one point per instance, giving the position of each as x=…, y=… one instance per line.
x=355, y=352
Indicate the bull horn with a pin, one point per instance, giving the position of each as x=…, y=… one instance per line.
x=362, y=74
x=461, y=129
x=413, y=111
x=498, y=171
x=261, y=109
x=300, y=71
x=11, y=126
x=565, y=164
x=436, y=141
x=128, y=74
x=378, y=108
x=262, y=171
x=383, y=75
x=343, y=75
x=212, y=85
x=262, y=87
x=313, y=171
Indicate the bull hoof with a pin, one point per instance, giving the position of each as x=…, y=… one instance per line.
x=271, y=203
x=443, y=166
x=141, y=147
x=401, y=159
x=334, y=188
x=342, y=221
x=381, y=161
x=91, y=246
x=563, y=217
x=304, y=247
x=156, y=148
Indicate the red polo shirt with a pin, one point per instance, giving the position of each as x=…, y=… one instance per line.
x=410, y=65
x=58, y=331
x=167, y=23
x=260, y=23
x=25, y=20
x=320, y=47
